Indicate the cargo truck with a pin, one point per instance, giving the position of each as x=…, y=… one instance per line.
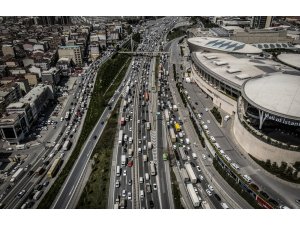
x=194, y=197
x=167, y=116
x=172, y=135
x=120, y=136
x=17, y=175
x=149, y=145
x=190, y=172
x=130, y=152
x=123, y=160
x=184, y=175
x=182, y=154
x=67, y=145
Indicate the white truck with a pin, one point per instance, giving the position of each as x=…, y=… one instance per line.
x=190, y=172
x=148, y=125
x=175, y=108
x=194, y=197
x=17, y=175
x=123, y=160
x=149, y=145
x=67, y=145
x=130, y=152
x=145, y=158
x=167, y=116
x=120, y=136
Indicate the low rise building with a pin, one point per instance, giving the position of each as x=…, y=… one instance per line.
x=51, y=76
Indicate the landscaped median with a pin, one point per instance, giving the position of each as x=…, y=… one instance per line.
x=95, y=193
x=113, y=69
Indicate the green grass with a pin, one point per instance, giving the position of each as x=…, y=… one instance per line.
x=176, y=191
x=95, y=193
x=216, y=114
x=107, y=72
x=283, y=171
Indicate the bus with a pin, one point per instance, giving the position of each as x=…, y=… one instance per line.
x=118, y=171
x=54, y=168
x=152, y=168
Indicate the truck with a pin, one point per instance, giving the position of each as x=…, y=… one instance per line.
x=120, y=136
x=190, y=172
x=37, y=195
x=123, y=121
x=40, y=170
x=67, y=145
x=175, y=108
x=149, y=145
x=184, y=175
x=148, y=188
x=152, y=168
x=167, y=115
x=194, y=197
x=54, y=168
x=148, y=125
x=130, y=152
x=17, y=175
x=145, y=158
x=123, y=160
x=172, y=135
x=205, y=205
x=182, y=154
x=146, y=96
x=177, y=127
x=123, y=203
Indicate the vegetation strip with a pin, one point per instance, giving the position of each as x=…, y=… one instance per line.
x=95, y=193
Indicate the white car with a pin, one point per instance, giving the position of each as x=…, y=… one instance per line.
x=124, y=173
x=154, y=186
x=188, y=158
x=117, y=183
x=210, y=187
x=208, y=121
x=198, y=168
x=208, y=192
x=129, y=195
x=203, y=156
x=124, y=193
x=201, y=177
x=206, y=109
x=196, y=190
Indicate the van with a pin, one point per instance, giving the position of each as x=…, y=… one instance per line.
x=147, y=177
x=142, y=194
x=118, y=171
x=20, y=147
x=194, y=155
x=212, y=138
x=141, y=180
x=247, y=178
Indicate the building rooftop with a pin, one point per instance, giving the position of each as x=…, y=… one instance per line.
x=15, y=105
x=278, y=94
x=225, y=45
x=236, y=69
x=290, y=59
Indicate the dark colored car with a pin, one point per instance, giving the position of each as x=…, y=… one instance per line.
x=192, y=164
x=95, y=137
x=217, y=197
x=151, y=203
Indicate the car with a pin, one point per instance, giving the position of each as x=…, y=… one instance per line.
x=39, y=187
x=192, y=164
x=129, y=182
x=145, y=148
x=129, y=195
x=117, y=183
x=208, y=192
x=45, y=184
x=208, y=121
x=196, y=190
x=188, y=158
x=155, y=186
x=203, y=156
x=130, y=163
x=9, y=149
x=210, y=187
x=95, y=137
x=144, y=137
x=196, y=103
x=206, y=109
x=21, y=193
x=151, y=204
x=130, y=128
x=198, y=168
x=201, y=177
x=123, y=193
x=217, y=197
x=124, y=173
x=61, y=118
x=186, y=152
x=297, y=201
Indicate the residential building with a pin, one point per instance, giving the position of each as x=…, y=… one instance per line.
x=8, y=50
x=71, y=52
x=51, y=76
x=261, y=22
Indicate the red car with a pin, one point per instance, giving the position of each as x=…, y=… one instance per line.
x=130, y=163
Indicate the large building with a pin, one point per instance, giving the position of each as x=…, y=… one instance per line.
x=261, y=94
x=221, y=45
x=261, y=22
x=71, y=52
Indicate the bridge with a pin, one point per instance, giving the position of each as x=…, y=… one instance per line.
x=138, y=53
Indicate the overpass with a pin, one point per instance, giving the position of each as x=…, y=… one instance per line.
x=154, y=53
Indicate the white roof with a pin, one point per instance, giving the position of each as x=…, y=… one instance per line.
x=290, y=59
x=278, y=93
x=226, y=45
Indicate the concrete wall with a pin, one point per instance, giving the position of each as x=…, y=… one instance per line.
x=219, y=99
x=260, y=149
